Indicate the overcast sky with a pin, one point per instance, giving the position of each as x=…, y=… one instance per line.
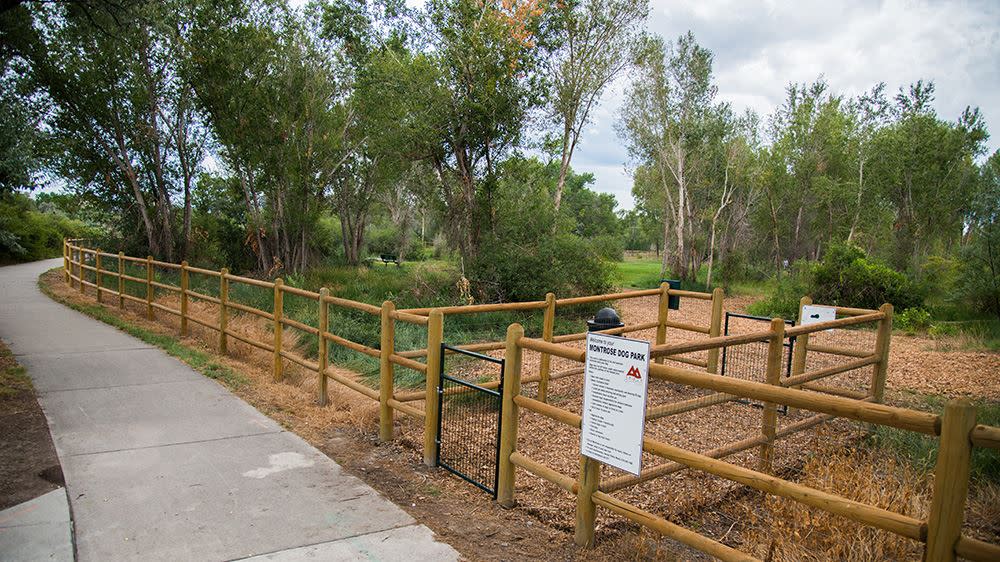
x=761, y=46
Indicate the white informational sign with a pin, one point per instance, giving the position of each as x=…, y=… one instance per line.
x=614, y=401
x=814, y=314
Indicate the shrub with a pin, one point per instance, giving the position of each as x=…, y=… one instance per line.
x=914, y=320
x=564, y=264
x=848, y=277
x=783, y=302
x=27, y=234
x=940, y=330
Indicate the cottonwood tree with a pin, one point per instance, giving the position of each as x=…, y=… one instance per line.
x=925, y=172
x=272, y=100
x=662, y=123
x=731, y=159
x=598, y=41
x=116, y=105
x=471, y=102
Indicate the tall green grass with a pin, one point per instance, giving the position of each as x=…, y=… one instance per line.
x=921, y=450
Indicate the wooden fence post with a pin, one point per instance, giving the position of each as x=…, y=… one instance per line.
x=121, y=280
x=184, y=298
x=769, y=418
x=951, y=481
x=801, y=343
x=387, y=372
x=65, y=249
x=882, y=339
x=97, y=274
x=662, y=313
x=432, y=410
x=79, y=268
x=149, y=287
x=324, y=350
x=586, y=511
x=223, y=309
x=548, y=326
x=509, y=415
x=279, y=312
x=715, y=328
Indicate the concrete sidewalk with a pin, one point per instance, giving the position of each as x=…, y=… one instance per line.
x=163, y=463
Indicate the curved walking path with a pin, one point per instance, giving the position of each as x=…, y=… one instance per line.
x=162, y=463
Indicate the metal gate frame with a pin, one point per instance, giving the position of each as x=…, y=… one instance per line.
x=790, y=344
x=496, y=394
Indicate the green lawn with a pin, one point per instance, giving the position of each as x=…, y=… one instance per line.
x=637, y=273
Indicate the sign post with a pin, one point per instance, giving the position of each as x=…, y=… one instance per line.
x=616, y=376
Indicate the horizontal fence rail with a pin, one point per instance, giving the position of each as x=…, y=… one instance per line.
x=940, y=533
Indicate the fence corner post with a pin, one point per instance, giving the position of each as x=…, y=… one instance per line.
x=324, y=350
x=662, y=313
x=801, y=343
x=509, y=414
x=386, y=383
x=951, y=481
x=97, y=274
x=278, y=312
x=586, y=511
x=184, y=298
x=223, y=309
x=882, y=339
x=121, y=280
x=548, y=327
x=149, y=287
x=769, y=417
x=715, y=328
x=435, y=361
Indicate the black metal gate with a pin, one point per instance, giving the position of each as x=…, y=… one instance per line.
x=749, y=361
x=468, y=433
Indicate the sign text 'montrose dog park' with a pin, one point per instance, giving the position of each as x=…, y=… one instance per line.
x=614, y=400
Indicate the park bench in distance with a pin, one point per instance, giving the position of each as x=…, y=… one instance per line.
x=385, y=259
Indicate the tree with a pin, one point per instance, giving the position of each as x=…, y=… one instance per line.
x=599, y=39
x=980, y=256
x=925, y=172
x=468, y=109
x=732, y=150
x=117, y=102
x=661, y=123
x=271, y=97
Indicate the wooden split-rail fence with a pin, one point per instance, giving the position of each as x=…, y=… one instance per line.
x=956, y=428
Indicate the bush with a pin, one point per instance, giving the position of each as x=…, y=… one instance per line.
x=564, y=264
x=783, y=302
x=913, y=320
x=848, y=277
x=27, y=234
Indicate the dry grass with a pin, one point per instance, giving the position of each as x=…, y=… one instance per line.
x=783, y=530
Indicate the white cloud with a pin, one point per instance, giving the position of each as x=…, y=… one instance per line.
x=760, y=47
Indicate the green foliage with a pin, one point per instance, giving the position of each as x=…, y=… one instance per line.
x=979, y=283
x=783, y=302
x=563, y=264
x=913, y=320
x=848, y=277
x=27, y=234
x=921, y=450
x=521, y=258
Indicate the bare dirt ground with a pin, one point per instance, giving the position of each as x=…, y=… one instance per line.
x=29, y=466
x=542, y=525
